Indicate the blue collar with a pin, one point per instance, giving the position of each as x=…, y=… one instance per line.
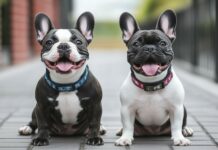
x=67, y=87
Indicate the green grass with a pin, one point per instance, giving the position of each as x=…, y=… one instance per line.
x=107, y=30
x=151, y=9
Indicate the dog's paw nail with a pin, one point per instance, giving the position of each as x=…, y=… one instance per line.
x=95, y=141
x=123, y=142
x=40, y=142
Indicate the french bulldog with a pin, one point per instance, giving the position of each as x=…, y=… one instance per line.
x=68, y=95
x=152, y=95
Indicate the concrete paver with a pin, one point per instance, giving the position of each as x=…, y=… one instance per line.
x=110, y=67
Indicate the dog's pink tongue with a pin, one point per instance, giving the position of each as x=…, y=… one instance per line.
x=64, y=66
x=150, y=69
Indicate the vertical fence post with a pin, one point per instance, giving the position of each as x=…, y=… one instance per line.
x=216, y=44
x=194, y=54
x=0, y=35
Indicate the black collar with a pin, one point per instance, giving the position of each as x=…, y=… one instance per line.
x=67, y=87
x=153, y=86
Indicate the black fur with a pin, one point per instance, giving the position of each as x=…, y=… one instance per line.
x=147, y=46
x=48, y=120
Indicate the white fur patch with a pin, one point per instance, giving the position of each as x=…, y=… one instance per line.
x=50, y=99
x=64, y=36
x=69, y=106
x=25, y=130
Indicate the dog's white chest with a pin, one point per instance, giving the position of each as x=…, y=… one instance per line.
x=151, y=109
x=69, y=106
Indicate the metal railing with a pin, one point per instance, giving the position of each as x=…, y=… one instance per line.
x=195, y=43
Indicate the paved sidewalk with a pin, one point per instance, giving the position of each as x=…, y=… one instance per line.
x=17, y=87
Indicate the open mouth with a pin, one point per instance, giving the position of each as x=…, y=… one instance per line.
x=64, y=65
x=150, y=69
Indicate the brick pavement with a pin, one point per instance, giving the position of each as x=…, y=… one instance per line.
x=17, y=101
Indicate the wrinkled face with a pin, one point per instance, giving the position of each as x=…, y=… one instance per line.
x=149, y=51
x=64, y=50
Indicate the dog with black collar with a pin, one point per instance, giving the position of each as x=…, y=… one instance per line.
x=68, y=95
x=152, y=95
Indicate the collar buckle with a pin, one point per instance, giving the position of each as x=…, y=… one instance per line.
x=154, y=88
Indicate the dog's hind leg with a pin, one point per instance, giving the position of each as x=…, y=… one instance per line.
x=120, y=132
x=102, y=130
x=186, y=131
x=30, y=127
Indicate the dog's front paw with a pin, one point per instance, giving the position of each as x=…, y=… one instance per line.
x=25, y=130
x=181, y=141
x=122, y=141
x=186, y=131
x=40, y=141
x=95, y=141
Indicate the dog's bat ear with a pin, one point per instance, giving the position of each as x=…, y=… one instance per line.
x=167, y=24
x=85, y=24
x=128, y=26
x=42, y=26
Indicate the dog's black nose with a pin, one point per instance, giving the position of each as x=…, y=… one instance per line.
x=150, y=49
x=63, y=46
x=63, y=49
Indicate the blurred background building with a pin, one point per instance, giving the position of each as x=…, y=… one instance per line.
x=17, y=35
x=195, y=48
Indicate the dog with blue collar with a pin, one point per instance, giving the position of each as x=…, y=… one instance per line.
x=68, y=95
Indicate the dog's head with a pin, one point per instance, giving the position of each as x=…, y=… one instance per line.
x=149, y=51
x=64, y=50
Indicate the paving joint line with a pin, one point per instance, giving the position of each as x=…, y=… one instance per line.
x=171, y=147
x=205, y=130
x=6, y=118
x=82, y=144
x=127, y=148
x=30, y=146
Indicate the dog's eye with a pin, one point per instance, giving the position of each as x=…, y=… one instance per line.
x=163, y=43
x=78, y=42
x=49, y=43
x=54, y=38
x=136, y=44
x=73, y=38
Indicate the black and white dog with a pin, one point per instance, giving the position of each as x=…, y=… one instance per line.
x=152, y=95
x=68, y=95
